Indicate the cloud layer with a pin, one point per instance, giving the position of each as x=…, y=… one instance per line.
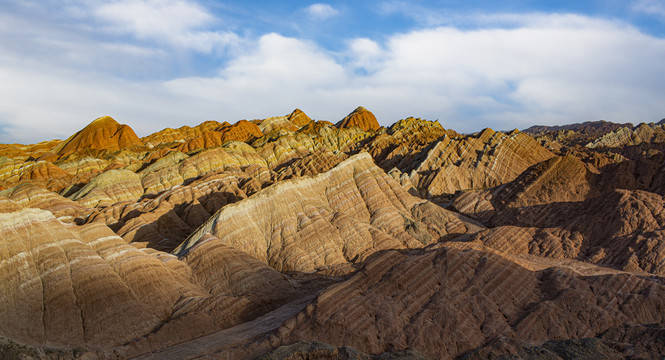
x=321, y=11
x=507, y=71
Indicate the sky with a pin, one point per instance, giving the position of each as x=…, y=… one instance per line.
x=154, y=64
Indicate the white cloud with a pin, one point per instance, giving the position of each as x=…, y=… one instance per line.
x=540, y=69
x=564, y=69
x=365, y=54
x=41, y=102
x=277, y=70
x=178, y=22
x=650, y=7
x=557, y=68
x=321, y=11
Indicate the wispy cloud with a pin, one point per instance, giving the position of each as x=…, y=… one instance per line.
x=321, y=11
x=650, y=7
x=421, y=14
x=180, y=23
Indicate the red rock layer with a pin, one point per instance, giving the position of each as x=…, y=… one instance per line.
x=19, y=151
x=360, y=118
x=184, y=133
x=102, y=134
x=40, y=173
x=241, y=131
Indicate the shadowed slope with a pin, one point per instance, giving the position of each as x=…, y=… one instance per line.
x=445, y=302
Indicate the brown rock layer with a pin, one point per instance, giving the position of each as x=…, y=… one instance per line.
x=482, y=161
x=446, y=302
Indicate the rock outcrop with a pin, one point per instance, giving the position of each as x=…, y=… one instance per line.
x=243, y=130
x=576, y=134
x=109, y=188
x=102, y=134
x=299, y=118
x=73, y=287
x=360, y=118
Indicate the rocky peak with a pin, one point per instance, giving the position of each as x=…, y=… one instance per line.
x=361, y=118
x=103, y=133
x=299, y=118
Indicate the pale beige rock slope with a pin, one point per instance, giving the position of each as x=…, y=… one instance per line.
x=341, y=216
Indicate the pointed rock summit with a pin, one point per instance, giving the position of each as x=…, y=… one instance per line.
x=299, y=118
x=361, y=118
x=102, y=134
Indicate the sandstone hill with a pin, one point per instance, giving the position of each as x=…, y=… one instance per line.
x=290, y=237
x=102, y=134
x=360, y=118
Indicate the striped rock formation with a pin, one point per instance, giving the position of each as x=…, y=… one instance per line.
x=28, y=195
x=480, y=161
x=277, y=123
x=299, y=118
x=67, y=286
x=404, y=141
x=109, y=188
x=24, y=152
x=164, y=221
x=41, y=173
x=102, y=134
x=181, y=134
x=341, y=216
x=241, y=131
x=575, y=134
x=446, y=302
x=360, y=118
x=626, y=136
x=287, y=237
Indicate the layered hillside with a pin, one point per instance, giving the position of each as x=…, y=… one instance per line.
x=291, y=237
x=479, y=161
x=446, y=302
x=579, y=133
x=102, y=134
x=341, y=216
x=626, y=136
x=360, y=118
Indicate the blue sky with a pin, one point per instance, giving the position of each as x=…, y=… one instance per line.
x=470, y=64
